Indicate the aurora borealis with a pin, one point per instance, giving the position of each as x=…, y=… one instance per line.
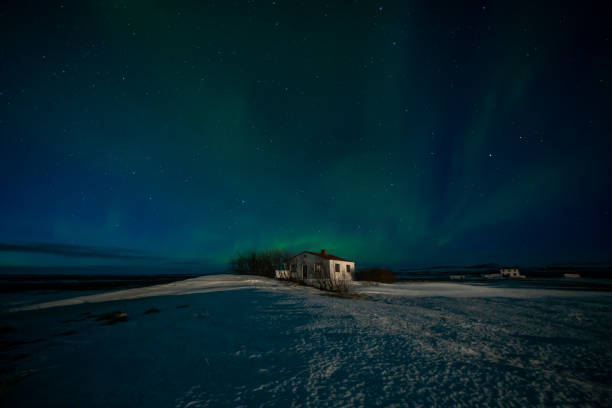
x=396, y=133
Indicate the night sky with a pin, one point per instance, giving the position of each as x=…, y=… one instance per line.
x=393, y=133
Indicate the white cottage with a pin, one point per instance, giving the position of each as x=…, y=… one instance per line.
x=317, y=265
x=511, y=273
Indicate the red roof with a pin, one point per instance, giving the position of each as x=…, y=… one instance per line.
x=322, y=254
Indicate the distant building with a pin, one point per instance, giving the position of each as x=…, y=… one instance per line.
x=571, y=275
x=457, y=277
x=317, y=265
x=492, y=275
x=511, y=273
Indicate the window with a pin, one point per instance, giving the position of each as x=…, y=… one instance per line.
x=293, y=267
x=337, y=267
x=348, y=268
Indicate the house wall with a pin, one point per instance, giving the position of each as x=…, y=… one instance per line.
x=328, y=267
x=304, y=259
x=343, y=274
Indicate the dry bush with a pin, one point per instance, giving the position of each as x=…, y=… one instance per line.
x=382, y=275
x=333, y=285
x=262, y=263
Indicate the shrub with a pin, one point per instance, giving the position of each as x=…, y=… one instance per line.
x=262, y=263
x=333, y=285
x=382, y=275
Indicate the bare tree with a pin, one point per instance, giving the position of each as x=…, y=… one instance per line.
x=262, y=263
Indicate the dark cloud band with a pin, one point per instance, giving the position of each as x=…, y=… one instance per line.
x=80, y=251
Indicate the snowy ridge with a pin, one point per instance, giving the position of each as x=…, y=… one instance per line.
x=226, y=282
x=230, y=341
x=204, y=284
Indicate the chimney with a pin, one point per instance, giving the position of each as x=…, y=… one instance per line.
x=323, y=252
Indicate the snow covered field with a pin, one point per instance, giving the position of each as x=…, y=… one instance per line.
x=228, y=340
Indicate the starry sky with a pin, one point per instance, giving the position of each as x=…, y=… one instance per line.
x=392, y=133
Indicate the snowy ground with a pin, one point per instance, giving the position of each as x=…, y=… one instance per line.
x=242, y=341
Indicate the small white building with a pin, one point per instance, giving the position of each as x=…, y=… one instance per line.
x=511, y=273
x=310, y=266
